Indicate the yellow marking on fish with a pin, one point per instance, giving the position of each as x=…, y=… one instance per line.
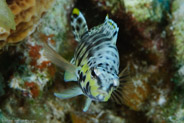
x=92, y=83
x=76, y=11
x=107, y=97
x=110, y=23
x=85, y=68
x=94, y=91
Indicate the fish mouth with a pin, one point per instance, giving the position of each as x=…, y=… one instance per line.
x=102, y=92
x=102, y=95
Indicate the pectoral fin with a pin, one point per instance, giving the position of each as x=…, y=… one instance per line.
x=87, y=104
x=69, y=77
x=69, y=93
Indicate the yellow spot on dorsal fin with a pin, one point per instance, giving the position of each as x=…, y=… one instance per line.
x=76, y=11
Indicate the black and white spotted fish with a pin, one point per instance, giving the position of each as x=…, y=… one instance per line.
x=95, y=65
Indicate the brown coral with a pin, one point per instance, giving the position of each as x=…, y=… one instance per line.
x=137, y=91
x=4, y=33
x=27, y=14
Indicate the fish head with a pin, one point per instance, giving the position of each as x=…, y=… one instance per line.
x=98, y=84
x=106, y=82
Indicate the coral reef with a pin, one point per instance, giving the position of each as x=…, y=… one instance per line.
x=7, y=17
x=27, y=15
x=174, y=109
x=150, y=43
x=154, y=10
x=36, y=71
x=176, y=26
x=6, y=22
x=137, y=93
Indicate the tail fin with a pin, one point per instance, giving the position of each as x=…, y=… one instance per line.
x=78, y=23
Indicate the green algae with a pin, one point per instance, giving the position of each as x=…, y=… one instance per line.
x=6, y=16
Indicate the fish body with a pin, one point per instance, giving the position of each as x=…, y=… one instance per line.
x=96, y=56
x=95, y=65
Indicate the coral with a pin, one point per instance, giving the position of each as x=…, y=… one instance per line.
x=35, y=71
x=139, y=9
x=6, y=22
x=177, y=25
x=111, y=6
x=174, y=109
x=7, y=17
x=143, y=43
x=136, y=92
x=3, y=34
x=178, y=29
x=144, y=10
x=27, y=16
x=161, y=9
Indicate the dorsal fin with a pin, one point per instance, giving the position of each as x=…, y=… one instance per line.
x=78, y=23
x=111, y=28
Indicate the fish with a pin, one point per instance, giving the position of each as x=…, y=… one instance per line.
x=95, y=65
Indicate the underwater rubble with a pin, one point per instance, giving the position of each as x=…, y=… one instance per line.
x=150, y=44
